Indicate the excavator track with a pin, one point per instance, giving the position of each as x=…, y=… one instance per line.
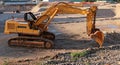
x=30, y=42
x=48, y=35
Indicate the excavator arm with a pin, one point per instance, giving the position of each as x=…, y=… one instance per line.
x=92, y=31
x=64, y=8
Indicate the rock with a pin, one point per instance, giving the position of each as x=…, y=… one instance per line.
x=117, y=10
x=97, y=64
x=107, y=64
x=118, y=62
x=25, y=60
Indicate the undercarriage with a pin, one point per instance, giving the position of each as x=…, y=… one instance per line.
x=45, y=40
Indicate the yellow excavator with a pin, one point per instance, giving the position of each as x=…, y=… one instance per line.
x=34, y=32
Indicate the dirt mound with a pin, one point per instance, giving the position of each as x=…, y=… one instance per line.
x=117, y=10
x=36, y=8
x=112, y=38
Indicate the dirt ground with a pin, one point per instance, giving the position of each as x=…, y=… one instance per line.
x=71, y=36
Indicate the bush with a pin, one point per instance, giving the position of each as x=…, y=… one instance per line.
x=79, y=54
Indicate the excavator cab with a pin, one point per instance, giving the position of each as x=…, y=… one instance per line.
x=30, y=18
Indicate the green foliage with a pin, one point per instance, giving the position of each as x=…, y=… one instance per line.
x=76, y=55
x=87, y=63
x=83, y=0
x=38, y=63
x=117, y=1
x=79, y=54
x=5, y=63
x=89, y=0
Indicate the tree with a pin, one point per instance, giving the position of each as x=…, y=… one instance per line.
x=117, y=0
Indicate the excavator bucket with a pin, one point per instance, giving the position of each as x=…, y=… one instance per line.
x=98, y=36
x=92, y=31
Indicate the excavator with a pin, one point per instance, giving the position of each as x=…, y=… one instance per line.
x=33, y=32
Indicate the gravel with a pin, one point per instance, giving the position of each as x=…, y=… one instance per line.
x=109, y=54
x=96, y=56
